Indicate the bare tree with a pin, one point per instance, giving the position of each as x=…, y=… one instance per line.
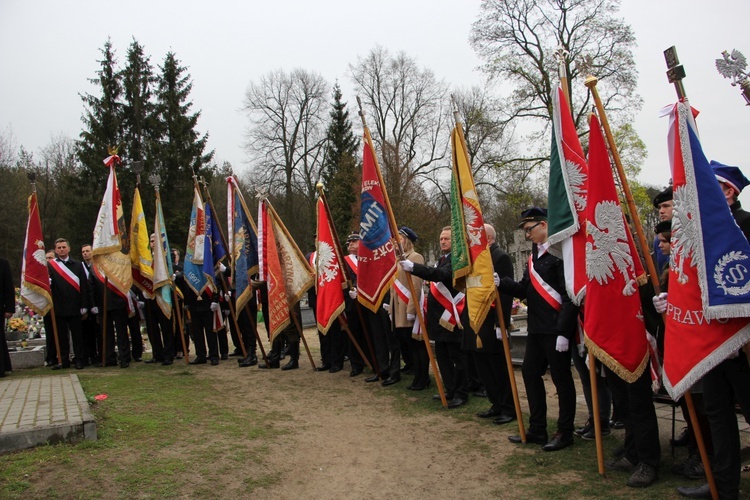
x=518, y=38
x=405, y=114
x=287, y=113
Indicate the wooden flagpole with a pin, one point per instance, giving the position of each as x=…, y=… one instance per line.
x=412, y=291
x=104, y=322
x=498, y=311
x=339, y=257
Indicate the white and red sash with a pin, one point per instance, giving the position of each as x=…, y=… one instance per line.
x=66, y=274
x=402, y=292
x=453, y=305
x=549, y=294
x=353, y=262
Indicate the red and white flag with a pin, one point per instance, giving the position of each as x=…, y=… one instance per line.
x=613, y=322
x=330, y=276
x=35, y=290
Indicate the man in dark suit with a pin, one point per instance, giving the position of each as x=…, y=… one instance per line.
x=490, y=358
x=551, y=326
x=71, y=296
x=444, y=331
x=117, y=320
x=8, y=305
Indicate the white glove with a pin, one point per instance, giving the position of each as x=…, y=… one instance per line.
x=496, y=279
x=562, y=344
x=94, y=311
x=227, y=296
x=353, y=293
x=498, y=331
x=214, y=306
x=222, y=267
x=660, y=302
x=141, y=304
x=387, y=307
x=407, y=265
x=411, y=317
x=84, y=311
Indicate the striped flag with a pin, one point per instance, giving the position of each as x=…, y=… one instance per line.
x=709, y=286
x=111, y=246
x=566, y=202
x=162, y=262
x=243, y=243
x=193, y=265
x=470, y=254
x=35, y=290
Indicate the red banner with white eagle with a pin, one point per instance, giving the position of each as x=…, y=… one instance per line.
x=330, y=277
x=613, y=322
x=35, y=290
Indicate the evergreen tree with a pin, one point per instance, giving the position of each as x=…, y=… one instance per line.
x=102, y=118
x=180, y=151
x=340, y=168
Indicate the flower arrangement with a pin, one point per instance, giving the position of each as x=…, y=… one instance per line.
x=517, y=307
x=17, y=324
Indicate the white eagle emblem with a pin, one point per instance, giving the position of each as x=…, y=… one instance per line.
x=683, y=235
x=39, y=254
x=610, y=248
x=327, y=268
x=473, y=230
x=576, y=178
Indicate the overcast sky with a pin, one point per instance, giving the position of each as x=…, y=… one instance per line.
x=49, y=50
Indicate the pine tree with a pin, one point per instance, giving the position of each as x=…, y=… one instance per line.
x=340, y=169
x=102, y=118
x=180, y=150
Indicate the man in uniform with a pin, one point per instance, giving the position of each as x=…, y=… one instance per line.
x=551, y=326
x=158, y=327
x=442, y=322
x=89, y=328
x=351, y=309
x=71, y=296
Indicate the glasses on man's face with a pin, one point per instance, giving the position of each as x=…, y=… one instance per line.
x=528, y=230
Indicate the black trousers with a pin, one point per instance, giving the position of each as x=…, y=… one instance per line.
x=49, y=340
x=451, y=360
x=605, y=397
x=358, y=332
x=540, y=354
x=136, y=341
x=247, y=331
x=70, y=325
x=420, y=360
x=635, y=407
x=333, y=345
x=727, y=383
x=203, y=333
x=493, y=371
x=90, y=330
x=5, y=365
x=117, y=323
x=160, y=332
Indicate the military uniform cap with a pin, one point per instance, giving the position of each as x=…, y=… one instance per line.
x=533, y=214
x=729, y=175
x=408, y=233
x=665, y=195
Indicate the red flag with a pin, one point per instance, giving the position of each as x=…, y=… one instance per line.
x=377, y=253
x=270, y=272
x=35, y=290
x=706, y=315
x=613, y=321
x=330, y=277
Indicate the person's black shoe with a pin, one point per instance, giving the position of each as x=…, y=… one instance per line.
x=621, y=464
x=455, y=403
x=234, y=354
x=248, y=361
x=79, y=365
x=373, y=378
x=702, y=491
x=154, y=360
x=504, y=419
x=166, y=362
x=291, y=365
x=214, y=362
x=616, y=424
x=355, y=372
x=198, y=361
x=531, y=438
x=590, y=435
x=436, y=397
x=124, y=364
x=558, y=442
x=390, y=381
x=61, y=367
x=334, y=369
x=480, y=393
x=224, y=357
x=323, y=368
x=137, y=360
x=270, y=364
x=489, y=413
x=644, y=476
x=583, y=430
x=691, y=468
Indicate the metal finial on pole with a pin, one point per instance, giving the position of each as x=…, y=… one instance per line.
x=361, y=112
x=675, y=71
x=155, y=180
x=137, y=167
x=561, y=54
x=454, y=106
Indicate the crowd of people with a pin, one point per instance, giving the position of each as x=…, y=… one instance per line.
x=470, y=363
